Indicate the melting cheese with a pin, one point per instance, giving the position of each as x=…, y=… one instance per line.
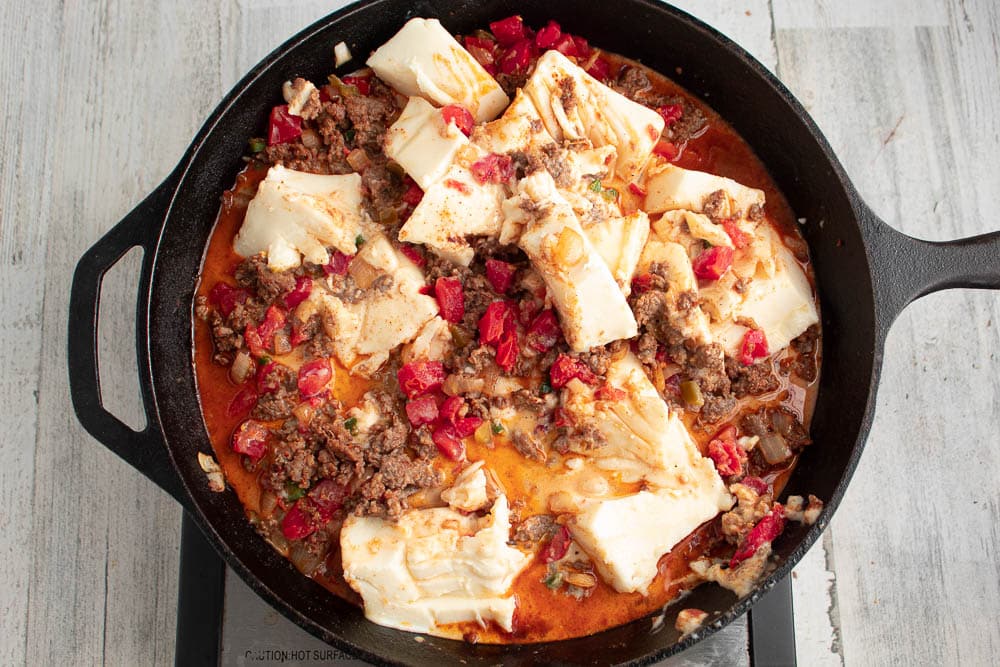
x=593, y=311
x=433, y=567
x=669, y=187
x=424, y=59
x=295, y=214
x=422, y=143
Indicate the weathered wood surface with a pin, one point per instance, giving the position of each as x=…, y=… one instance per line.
x=100, y=100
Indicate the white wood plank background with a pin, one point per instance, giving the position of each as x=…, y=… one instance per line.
x=100, y=101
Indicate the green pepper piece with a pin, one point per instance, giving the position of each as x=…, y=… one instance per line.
x=691, y=393
x=351, y=425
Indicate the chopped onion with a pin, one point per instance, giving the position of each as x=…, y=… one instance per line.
x=282, y=344
x=302, y=558
x=310, y=138
x=364, y=274
x=268, y=501
x=341, y=54
x=774, y=447
x=455, y=385
x=241, y=368
x=358, y=159
x=304, y=413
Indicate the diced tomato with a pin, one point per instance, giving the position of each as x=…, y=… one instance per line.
x=466, y=426
x=666, y=149
x=303, y=287
x=544, y=331
x=636, y=190
x=557, y=547
x=561, y=417
x=565, y=45
x=482, y=49
x=517, y=58
x=460, y=116
x=493, y=168
x=413, y=193
x=283, y=126
x=528, y=309
x=739, y=237
x=250, y=439
x=253, y=341
x=727, y=432
x=339, y=262
x=450, y=298
x=498, y=317
x=422, y=410
x=565, y=368
x=548, y=35
x=582, y=47
x=314, y=376
x=671, y=113
x=713, y=262
x=508, y=30
x=420, y=377
x=763, y=533
x=728, y=456
x=362, y=83
x=642, y=283
x=607, y=392
x=600, y=69
x=755, y=483
x=450, y=408
x=243, y=402
x=500, y=274
x=274, y=321
x=507, y=350
x=297, y=524
x=225, y=297
x=449, y=442
x=267, y=383
x=753, y=347
x=298, y=336
x=327, y=497
x=414, y=254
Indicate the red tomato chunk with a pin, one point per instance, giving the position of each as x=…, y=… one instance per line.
x=728, y=457
x=243, y=402
x=449, y=442
x=712, y=263
x=548, y=36
x=250, y=439
x=566, y=368
x=314, y=376
x=499, y=317
x=507, y=349
x=450, y=298
x=297, y=524
x=500, y=274
x=557, y=547
x=225, y=297
x=423, y=410
x=420, y=377
x=763, y=533
x=753, y=347
x=508, y=30
x=671, y=113
x=303, y=287
x=283, y=126
x=544, y=331
x=493, y=168
x=362, y=83
x=739, y=238
x=460, y=116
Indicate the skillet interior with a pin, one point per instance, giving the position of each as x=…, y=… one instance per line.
x=665, y=39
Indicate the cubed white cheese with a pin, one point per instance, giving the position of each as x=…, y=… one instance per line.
x=341, y=54
x=366, y=331
x=422, y=143
x=574, y=105
x=431, y=344
x=781, y=305
x=519, y=129
x=688, y=227
x=451, y=209
x=669, y=187
x=620, y=241
x=297, y=213
x=433, y=567
x=591, y=305
x=626, y=536
x=424, y=59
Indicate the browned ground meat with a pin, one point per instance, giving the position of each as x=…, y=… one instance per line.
x=806, y=362
x=253, y=274
x=777, y=420
x=751, y=380
x=278, y=404
x=713, y=204
x=527, y=446
x=534, y=530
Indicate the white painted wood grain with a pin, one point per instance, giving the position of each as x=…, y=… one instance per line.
x=101, y=99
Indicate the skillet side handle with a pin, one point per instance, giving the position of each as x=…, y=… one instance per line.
x=905, y=268
x=144, y=450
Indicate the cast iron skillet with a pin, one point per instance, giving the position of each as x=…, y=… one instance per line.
x=867, y=273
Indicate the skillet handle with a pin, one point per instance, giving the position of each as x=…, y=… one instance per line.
x=144, y=450
x=905, y=268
